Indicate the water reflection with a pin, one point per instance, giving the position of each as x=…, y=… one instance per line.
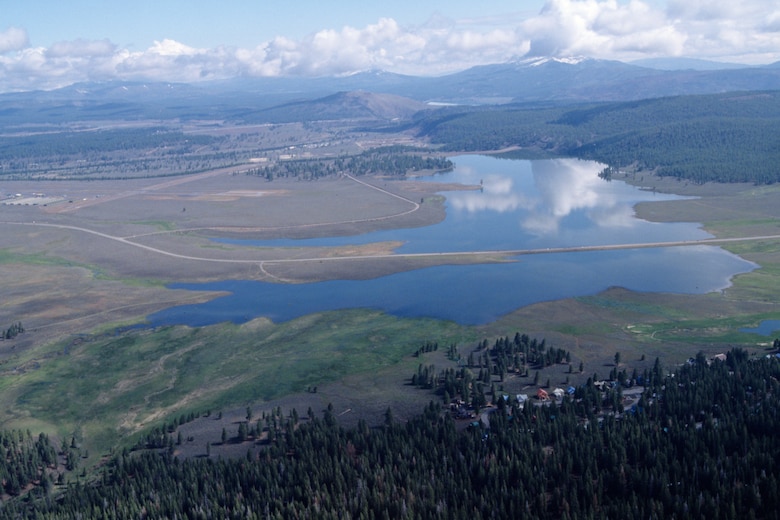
x=549, y=203
x=497, y=193
x=521, y=205
x=524, y=205
x=560, y=187
x=566, y=186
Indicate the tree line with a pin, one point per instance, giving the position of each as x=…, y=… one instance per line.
x=701, y=442
x=378, y=161
x=730, y=137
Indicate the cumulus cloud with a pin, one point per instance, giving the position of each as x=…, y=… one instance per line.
x=169, y=60
x=747, y=31
x=772, y=22
x=81, y=48
x=13, y=39
x=601, y=28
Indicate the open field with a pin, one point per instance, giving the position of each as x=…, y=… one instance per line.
x=76, y=273
x=119, y=233
x=106, y=387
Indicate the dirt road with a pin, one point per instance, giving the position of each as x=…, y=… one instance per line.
x=495, y=252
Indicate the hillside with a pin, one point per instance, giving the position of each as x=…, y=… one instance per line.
x=541, y=80
x=356, y=105
x=699, y=443
x=730, y=137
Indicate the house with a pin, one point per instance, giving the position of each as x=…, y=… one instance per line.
x=542, y=395
x=558, y=393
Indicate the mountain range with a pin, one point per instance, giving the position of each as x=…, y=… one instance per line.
x=529, y=81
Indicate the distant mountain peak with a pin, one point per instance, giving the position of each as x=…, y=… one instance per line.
x=541, y=60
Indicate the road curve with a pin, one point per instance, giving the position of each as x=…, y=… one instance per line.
x=414, y=207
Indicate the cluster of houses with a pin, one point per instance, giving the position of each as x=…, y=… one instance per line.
x=461, y=410
x=544, y=395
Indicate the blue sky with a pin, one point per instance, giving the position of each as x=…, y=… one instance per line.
x=244, y=23
x=52, y=43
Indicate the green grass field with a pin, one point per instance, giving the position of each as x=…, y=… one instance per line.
x=107, y=388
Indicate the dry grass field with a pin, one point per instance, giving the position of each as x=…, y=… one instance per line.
x=145, y=234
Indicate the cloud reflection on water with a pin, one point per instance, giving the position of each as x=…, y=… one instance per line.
x=561, y=187
x=569, y=185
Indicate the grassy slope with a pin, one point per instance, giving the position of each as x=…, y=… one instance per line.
x=109, y=387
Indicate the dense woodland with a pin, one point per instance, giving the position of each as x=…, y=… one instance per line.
x=732, y=137
x=29, y=460
x=109, y=154
x=724, y=138
x=700, y=443
x=394, y=161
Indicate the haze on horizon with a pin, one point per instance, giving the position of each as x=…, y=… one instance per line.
x=46, y=44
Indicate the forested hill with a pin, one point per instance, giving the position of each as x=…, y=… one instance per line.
x=732, y=137
x=700, y=443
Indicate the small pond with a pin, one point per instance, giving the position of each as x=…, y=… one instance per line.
x=765, y=328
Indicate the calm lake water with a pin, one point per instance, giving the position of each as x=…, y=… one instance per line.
x=522, y=205
x=765, y=328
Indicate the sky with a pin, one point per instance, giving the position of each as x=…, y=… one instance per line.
x=46, y=44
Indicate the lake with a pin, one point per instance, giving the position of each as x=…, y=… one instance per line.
x=521, y=205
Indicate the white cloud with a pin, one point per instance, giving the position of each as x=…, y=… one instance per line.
x=81, y=48
x=772, y=22
x=173, y=48
x=469, y=41
x=747, y=31
x=599, y=28
x=13, y=39
x=708, y=10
